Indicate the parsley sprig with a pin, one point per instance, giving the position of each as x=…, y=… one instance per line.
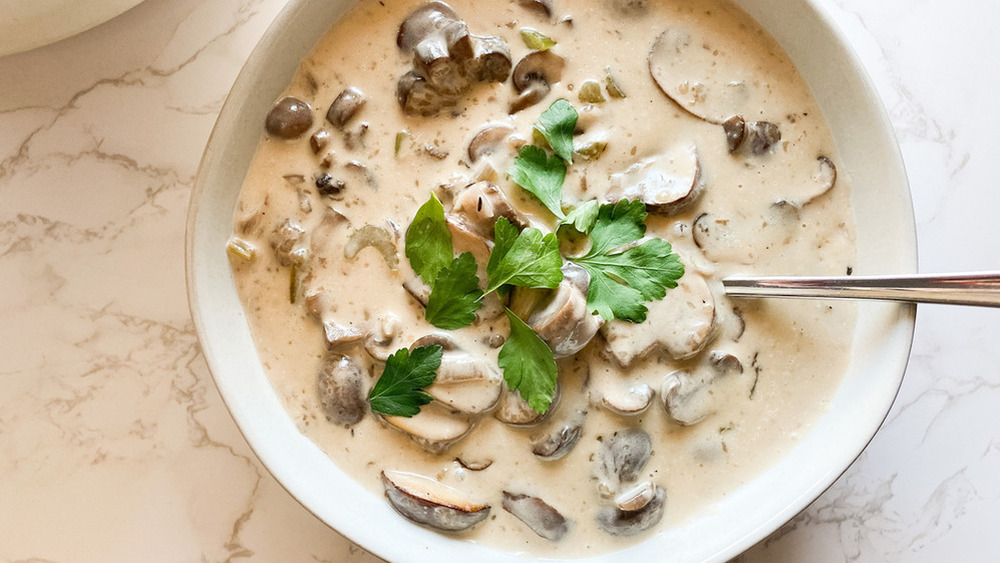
x=399, y=390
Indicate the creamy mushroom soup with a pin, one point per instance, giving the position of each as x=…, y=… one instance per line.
x=480, y=249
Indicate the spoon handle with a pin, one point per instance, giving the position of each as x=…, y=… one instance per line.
x=974, y=288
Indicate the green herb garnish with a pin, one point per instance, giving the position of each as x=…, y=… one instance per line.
x=428, y=241
x=622, y=280
x=540, y=174
x=526, y=259
x=455, y=296
x=557, y=124
x=536, y=40
x=399, y=390
x=528, y=364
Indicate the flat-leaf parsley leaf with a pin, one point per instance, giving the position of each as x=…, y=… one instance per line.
x=399, y=391
x=540, y=174
x=428, y=241
x=529, y=260
x=622, y=280
x=528, y=364
x=455, y=295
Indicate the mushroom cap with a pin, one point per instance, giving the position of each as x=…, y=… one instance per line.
x=537, y=514
x=288, y=119
x=431, y=503
x=423, y=21
x=684, y=321
x=435, y=428
x=667, y=183
x=343, y=389
x=701, y=71
x=538, y=66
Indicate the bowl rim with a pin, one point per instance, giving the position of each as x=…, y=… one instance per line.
x=894, y=323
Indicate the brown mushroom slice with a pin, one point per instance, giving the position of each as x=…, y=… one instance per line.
x=735, y=129
x=490, y=139
x=321, y=305
x=822, y=180
x=343, y=391
x=702, y=72
x=435, y=427
x=492, y=62
x=723, y=239
x=289, y=243
x=534, y=76
x=689, y=396
x=431, y=503
x=348, y=103
x=418, y=97
x=537, y=514
x=379, y=342
x=425, y=20
x=666, y=183
x=636, y=498
x=514, y=410
x=625, y=453
x=618, y=522
x=467, y=383
x=560, y=316
x=557, y=442
x=480, y=205
x=627, y=400
x=684, y=321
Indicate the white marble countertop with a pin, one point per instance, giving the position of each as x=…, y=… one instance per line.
x=115, y=445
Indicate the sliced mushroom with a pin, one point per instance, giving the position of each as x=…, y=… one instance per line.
x=491, y=139
x=431, y=503
x=480, y=205
x=537, y=514
x=379, y=342
x=465, y=382
x=701, y=72
x=762, y=136
x=721, y=239
x=322, y=306
x=637, y=497
x=823, y=179
x=560, y=316
x=435, y=428
x=666, y=183
x=513, y=409
x=422, y=22
x=558, y=442
x=627, y=400
x=534, y=76
x=688, y=396
x=346, y=106
x=684, y=321
x=624, y=455
x=343, y=389
x=735, y=129
x=417, y=97
x=618, y=522
x=288, y=119
x=492, y=61
x=289, y=243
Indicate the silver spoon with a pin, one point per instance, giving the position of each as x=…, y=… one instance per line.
x=974, y=288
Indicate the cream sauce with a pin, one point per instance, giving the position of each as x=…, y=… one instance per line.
x=793, y=352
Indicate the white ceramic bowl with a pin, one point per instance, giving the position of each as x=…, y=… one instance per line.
x=886, y=244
